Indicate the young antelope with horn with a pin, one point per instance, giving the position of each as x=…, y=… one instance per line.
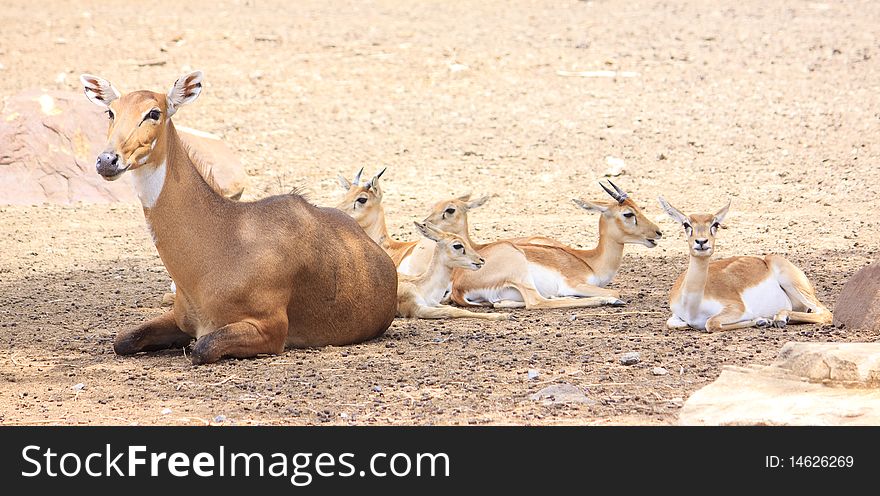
x=251, y=277
x=420, y=296
x=363, y=203
x=736, y=292
x=544, y=275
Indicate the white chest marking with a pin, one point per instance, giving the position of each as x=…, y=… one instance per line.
x=148, y=183
x=695, y=310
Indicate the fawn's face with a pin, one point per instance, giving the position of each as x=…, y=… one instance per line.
x=700, y=229
x=452, y=215
x=455, y=249
x=362, y=202
x=622, y=220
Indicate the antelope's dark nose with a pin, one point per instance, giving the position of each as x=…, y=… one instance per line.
x=701, y=242
x=107, y=164
x=659, y=234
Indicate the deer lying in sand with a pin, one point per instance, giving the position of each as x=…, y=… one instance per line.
x=546, y=274
x=736, y=292
x=420, y=296
x=252, y=277
x=363, y=202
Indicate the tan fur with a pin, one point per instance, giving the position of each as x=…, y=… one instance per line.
x=251, y=277
x=420, y=296
x=726, y=281
x=509, y=263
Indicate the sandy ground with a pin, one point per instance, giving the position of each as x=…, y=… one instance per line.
x=775, y=105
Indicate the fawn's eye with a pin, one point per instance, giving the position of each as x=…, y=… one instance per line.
x=110, y=114
x=459, y=247
x=362, y=200
x=687, y=226
x=154, y=114
x=450, y=210
x=629, y=215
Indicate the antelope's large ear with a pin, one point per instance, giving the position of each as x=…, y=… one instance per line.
x=374, y=183
x=343, y=182
x=673, y=212
x=428, y=231
x=186, y=89
x=98, y=90
x=478, y=202
x=719, y=215
x=465, y=197
x=591, y=206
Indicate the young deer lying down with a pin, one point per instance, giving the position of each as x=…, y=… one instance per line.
x=363, y=203
x=420, y=296
x=539, y=274
x=736, y=292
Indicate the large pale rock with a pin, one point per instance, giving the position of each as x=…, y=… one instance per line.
x=49, y=142
x=808, y=384
x=858, y=306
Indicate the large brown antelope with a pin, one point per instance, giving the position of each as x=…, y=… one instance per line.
x=545, y=275
x=420, y=296
x=736, y=292
x=252, y=277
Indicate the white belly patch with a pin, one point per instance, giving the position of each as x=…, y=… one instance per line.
x=765, y=300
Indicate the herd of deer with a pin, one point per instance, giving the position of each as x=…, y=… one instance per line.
x=255, y=277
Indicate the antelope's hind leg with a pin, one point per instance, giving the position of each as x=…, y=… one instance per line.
x=450, y=312
x=242, y=339
x=158, y=333
x=731, y=318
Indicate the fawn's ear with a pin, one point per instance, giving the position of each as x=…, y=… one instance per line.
x=428, y=231
x=374, y=183
x=719, y=215
x=478, y=202
x=185, y=90
x=599, y=207
x=98, y=90
x=343, y=182
x=673, y=212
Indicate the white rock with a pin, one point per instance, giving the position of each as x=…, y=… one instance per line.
x=561, y=393
x=165, y=411
x=533, y=374
x=809, y=384
x=659, y=371
x=616, y=166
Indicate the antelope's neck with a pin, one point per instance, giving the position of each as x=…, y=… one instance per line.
x=605, y=258
x=378, y=231
x=180, y=208
x=437, y=277
x=696, y=276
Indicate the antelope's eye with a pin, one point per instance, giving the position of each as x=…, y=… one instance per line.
x=362, y=200
x=629, y=215
x=458, y=246
x=154, y=114
x=687, y=226
x=110, y=114
x=450, y=210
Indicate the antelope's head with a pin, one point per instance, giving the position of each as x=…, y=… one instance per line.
x=452, y=215
x=700, y=229
x=139, y=122
x=457, y=251
x=363, y=202
x=622, y=219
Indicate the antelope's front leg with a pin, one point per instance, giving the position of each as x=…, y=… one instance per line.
x=730, y=319
x=675, y=322
x=158, y=333
x=242, y=339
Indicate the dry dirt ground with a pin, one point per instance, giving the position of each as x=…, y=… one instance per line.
x=773, y=104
